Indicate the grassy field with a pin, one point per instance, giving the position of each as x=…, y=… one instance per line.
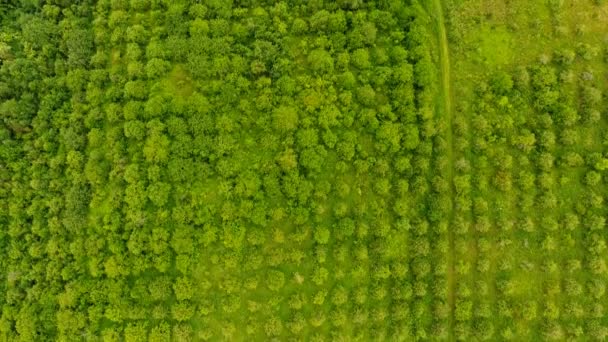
x=528, y=271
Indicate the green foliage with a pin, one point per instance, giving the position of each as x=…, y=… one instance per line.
x=158, y=193
x=285, y=118
x=301, y=170
x=321, y=61
x=183, y=288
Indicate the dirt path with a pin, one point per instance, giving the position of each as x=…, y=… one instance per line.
x=447, y=103
x=434, y=9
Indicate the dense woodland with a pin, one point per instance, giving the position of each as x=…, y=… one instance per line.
x=221, y=170
x=249, y=170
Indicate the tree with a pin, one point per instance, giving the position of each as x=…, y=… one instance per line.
x=322, y=235
x=319, y=276
x=155, y=107
x=545, y=161
x=26, y=323
x=183, y=288
x=501, y=83
x=411, y=138
x=160, y=289
x=112, y=267
x=137, y=34
x=182, y=332
x=566, y=115
x=543, y=77
x=565, y=56
x=273, y=327
x=158, y=193
x=156, y=68
x=297, y=324
x=573, y=159
x=275, y=280
x=135, y=195
x=135, y=332
x=345, y=228
x=463, y=310
x=592, y=178
x=403, y=73
x=285, y=118
x=327, y=118
x=135, y=129
x=79, y=44
x=366, y=95
x=160, y=333
x=484, y=330
x=182, y=311
x=156, y=148
x=339, y=296
x=111, y=335
x=321, y=61
x=135, y=90
x=313, y=158
x=360, y=59
x=317, y=319
x=297, y=301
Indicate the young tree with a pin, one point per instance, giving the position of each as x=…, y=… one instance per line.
x=160, y=333
x=183, y=288
x=275, y=280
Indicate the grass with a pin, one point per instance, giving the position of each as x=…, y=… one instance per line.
x=179, y=83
